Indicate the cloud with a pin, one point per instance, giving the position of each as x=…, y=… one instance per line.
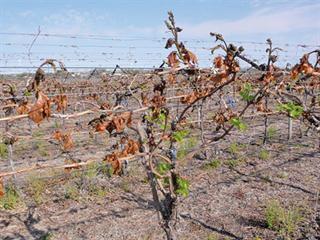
x=72, y=21
x=266, y=20
x=70, y=16
x=27, y=13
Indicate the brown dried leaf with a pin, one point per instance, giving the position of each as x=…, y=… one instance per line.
x=219, y=118
x=261, y=107
x=219, y=62
x=145, y=100
x=220, y=77
x=2, y=190
x=173, y=61
x=166, y=137
x=105, y=106
x=169, y=43
x=158, y=101
x=304, y=67
x=268, y=77
x=172, y=78
x=67, y=141
x=23, y=108
x=62, y=102
x=41, y=108
x=190, y=58
x=133, y=147
x=113, y=159
x=119, y=124
x=39, y=77
x=294, y=71
x=102, y=126
x=64, y=139
x=189, y=99
x=57, y=135
x=122, y=120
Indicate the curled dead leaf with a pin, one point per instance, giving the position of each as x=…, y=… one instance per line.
x=190, y=58
x=268, y=77
x=62, y=102
x=173, y=61
x=122, y=120
x=261, y=107
x=145, y=100
x=105, y=106
x=23, y=108
x=116, y=165
x=158, y=101
x=2, y=190
x=41, y=108
x=131, y=147
x=169, y=43
x=192, y=97
x=172, y=79
x=64, y=139
x=218, y=62
x=189, y=99
x=304, y=67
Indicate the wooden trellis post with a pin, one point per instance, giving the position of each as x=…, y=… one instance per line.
x=289, y=128
x=10, y=155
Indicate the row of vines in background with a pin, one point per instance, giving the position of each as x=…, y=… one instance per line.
x=149, y=114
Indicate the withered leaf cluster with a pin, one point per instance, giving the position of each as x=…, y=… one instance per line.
x=173, y=60
x=117, y=122
x=261, y=107
x=304, y=67
x=226, y=66
x=23, y=107
x=193, y=96
x=222, y=117
x=131, y=147
x=64, y=139
x=40, y=109
x=105, y=106
x=269, y=77
x=157, y=102
x=145, y=100
x=61, y=101
x=186, y=56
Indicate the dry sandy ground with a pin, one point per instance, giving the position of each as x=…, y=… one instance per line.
x=224, y=202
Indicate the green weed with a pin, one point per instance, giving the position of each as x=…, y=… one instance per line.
x=264, y=154
x=36, y=188
x=284, y=221
x=3, y=150
x=72, y=192
x=213, y=164
x=271, y=132
x=11, y=199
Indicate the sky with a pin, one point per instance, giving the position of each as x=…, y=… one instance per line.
x=132, y=32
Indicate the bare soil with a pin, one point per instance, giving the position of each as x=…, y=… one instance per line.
x=227, y=201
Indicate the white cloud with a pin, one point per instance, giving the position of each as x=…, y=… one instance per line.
x=72, y=21
x=267, y=20
x=26, y=13
x=68, y=16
